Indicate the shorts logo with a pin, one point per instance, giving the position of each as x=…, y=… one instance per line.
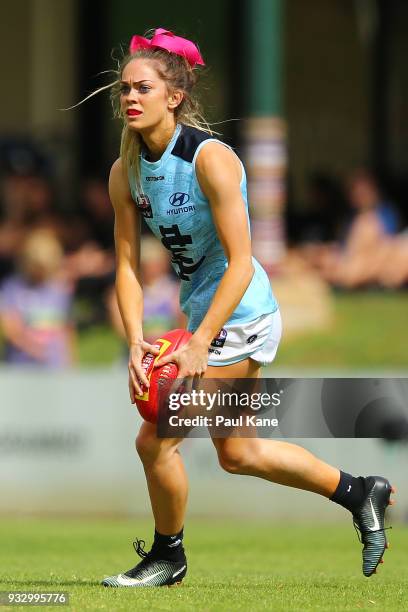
x=179, y=198
x=143, y=204
x=252, y=338
x=220, y=338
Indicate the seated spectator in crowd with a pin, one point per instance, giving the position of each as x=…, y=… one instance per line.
x=366, y=197
x=35, y=306
x=355, y=263
x=27, y=202
x=160, y=291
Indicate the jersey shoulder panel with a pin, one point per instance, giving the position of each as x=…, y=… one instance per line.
x=188, y=141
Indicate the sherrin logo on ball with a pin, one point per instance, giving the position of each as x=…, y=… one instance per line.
x=148, y=403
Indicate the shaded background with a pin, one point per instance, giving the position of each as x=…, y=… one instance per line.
x=344, y=85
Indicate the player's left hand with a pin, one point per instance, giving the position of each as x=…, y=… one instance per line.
x=191, y=359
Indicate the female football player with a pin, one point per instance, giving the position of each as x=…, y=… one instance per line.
x=191, y=190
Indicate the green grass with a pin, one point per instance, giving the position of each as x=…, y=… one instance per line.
x=369, y=330
x=233, y=565
x=100, y=346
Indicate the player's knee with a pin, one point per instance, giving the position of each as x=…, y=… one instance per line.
x=146, y=447
x=232, y=460
x=152, y=449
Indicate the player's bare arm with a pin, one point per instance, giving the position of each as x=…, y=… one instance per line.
x=128, y=284
x=219, y=174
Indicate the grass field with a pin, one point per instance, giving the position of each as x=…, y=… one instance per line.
x=368, y=331
x=232, y=566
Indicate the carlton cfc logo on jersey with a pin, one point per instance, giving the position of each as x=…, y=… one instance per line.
x=220, y=338
x=143, y=204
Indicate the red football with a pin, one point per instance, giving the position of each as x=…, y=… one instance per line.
x=148, y=403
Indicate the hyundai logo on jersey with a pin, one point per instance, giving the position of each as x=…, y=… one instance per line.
x=179, y=198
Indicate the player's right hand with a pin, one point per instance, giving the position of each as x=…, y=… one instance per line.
x=137, y=376
x=191, y=358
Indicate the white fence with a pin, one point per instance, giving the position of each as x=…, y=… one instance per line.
x=67, y=446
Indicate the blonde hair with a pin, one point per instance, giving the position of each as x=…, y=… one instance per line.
x=178, y=74
x=41, y=248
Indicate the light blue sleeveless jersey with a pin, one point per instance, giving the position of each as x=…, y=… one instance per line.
x=179, y=215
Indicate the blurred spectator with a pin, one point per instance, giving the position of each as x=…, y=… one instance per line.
x=356, y=261
x=97, y=211
x=90, y=262
x=90, y=224
x=35, y=306
x=40, y=205
x=160, y=293
x=27, y=204
x=366, y=197
x=92, y=245
x=27, y=199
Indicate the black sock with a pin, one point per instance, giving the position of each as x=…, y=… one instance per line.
x=168, y=547
x=350, y=492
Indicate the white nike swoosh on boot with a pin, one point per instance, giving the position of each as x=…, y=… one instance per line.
x=127, y=581
x=179, y=571
x=376, y=525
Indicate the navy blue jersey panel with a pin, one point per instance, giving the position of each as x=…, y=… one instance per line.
x=188, y=142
